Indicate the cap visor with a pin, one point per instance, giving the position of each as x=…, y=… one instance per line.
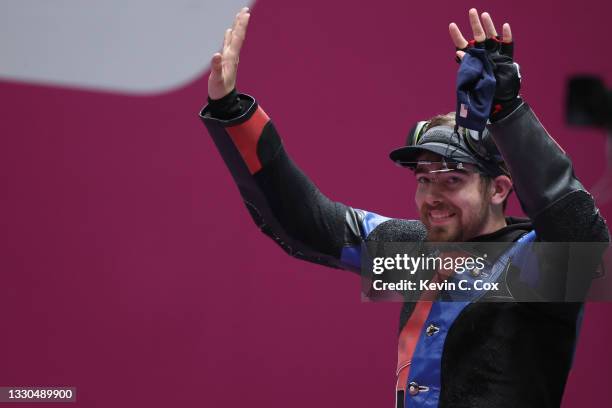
x=411, y=153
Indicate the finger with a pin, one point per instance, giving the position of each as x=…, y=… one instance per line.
x=456, y=36
x=507, y=45
x=228, y=35
x=239, y=33
x=460, y=55
x=227, y=38
x=488, y=25
x=239, y=16
x=477, y=30
x=507, y=38
x=236, y=20
x=216, y=62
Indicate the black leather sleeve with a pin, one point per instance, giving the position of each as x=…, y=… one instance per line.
x=284, y=203
x=548, y=190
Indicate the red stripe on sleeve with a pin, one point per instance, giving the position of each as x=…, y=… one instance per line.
x=245, y=137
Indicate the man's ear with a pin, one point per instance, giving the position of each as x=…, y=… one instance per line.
x=501, y=187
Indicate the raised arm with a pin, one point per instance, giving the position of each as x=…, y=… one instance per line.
x=542, y=173
x=282, y=201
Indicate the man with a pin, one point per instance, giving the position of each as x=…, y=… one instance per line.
x=450, y=354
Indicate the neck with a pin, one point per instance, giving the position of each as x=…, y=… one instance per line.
x=494, y=223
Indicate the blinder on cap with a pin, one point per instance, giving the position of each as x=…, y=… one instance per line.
x=454, y=145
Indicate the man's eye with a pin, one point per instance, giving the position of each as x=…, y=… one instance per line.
x=453, y=180
x=422, y=180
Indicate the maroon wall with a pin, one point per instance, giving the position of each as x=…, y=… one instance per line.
x=131, y=270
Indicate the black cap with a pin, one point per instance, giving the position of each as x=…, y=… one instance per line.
x=446, y=142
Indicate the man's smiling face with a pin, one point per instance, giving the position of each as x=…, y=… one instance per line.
x=453, y=205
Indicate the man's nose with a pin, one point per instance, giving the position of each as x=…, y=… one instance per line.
x=433, y=195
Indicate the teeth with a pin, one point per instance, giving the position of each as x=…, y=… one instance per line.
x=440, y=215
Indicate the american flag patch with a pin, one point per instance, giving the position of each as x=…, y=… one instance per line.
x=463, y=112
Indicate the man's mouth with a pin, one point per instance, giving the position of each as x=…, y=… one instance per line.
x=440, y=216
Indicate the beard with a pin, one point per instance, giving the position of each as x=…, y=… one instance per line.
x=443, y=234
x=457, y=229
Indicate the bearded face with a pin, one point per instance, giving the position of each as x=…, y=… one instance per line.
x=453, y=205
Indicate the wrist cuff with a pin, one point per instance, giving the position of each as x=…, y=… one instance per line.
x=228, y=107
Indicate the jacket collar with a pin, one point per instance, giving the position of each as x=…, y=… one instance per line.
x=514, y=230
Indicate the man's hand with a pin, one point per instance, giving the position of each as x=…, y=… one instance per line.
x=499, y=52
x=224, y=65
x=480, y=34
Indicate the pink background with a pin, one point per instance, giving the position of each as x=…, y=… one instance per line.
x=131, y=270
